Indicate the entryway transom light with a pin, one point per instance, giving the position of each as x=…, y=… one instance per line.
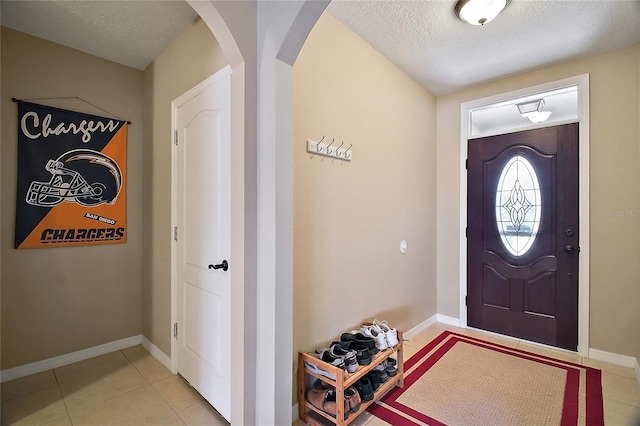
x=533, y=110
x=479, y=12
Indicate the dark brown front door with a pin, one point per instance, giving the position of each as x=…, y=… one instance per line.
x=522, y=235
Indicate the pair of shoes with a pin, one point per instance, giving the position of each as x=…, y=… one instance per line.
x=364, y=388
x=391, y=369
x=374, y=379
x=331, y=359
x=360, y=339
x=352, y=400
x=391, y=334
x=315, y=369
x=378, y=336
x=382, y=371
x=327, y=357
x=323, y=397
x=364, y=347
x=336, y=351
x=348, y=356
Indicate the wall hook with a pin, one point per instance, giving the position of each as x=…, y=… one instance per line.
x=329, y=146
x=346, y=152
x=330, y=150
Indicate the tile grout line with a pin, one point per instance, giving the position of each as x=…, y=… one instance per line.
x=150, y=384
x=174, y=411
x=108, y=399
x=64, y=401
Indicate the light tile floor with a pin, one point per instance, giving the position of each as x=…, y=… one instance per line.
x=127, y=387
x=620, y=389
x=130, y=387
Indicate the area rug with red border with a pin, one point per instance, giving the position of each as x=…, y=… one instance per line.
x=462, y=380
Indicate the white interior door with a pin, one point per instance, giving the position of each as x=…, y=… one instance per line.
x=202, y=123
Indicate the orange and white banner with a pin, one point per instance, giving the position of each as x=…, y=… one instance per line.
x=71, y=178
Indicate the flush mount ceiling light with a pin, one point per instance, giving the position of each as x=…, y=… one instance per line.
x=533, y=110
x=479, y=12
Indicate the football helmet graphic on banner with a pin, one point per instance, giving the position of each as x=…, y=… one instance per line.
x=83, y=176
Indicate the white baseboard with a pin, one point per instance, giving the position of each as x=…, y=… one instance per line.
x=611, y=358
x=62, y=360
x=455, y=322
x=410, y=334
x=163, y=358
x=622, y=360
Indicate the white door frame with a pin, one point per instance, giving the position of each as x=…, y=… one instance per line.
x=582, y=82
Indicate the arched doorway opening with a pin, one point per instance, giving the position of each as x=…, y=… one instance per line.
x=261, y=42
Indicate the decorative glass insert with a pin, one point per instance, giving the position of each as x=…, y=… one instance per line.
x=518, y=205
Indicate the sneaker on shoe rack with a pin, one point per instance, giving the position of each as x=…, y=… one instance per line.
x=381, y=366
x=335, y=350
x=391, y=368
x=377, y=335
x=315, y=369
x=364, y=388
x=383, y=376
x=382, y=370
x=391, y=371
x=329, y=358
x=363, y=354
x=365, y=335
x=359, y=338
x=374, y=378
x=344, y=344
x=391, y=334
x=348, y=356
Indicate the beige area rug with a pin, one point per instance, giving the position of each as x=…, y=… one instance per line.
x=460, y=380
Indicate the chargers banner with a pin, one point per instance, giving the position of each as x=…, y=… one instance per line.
x=71, y=178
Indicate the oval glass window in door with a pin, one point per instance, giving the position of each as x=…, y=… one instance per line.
x=518, y=205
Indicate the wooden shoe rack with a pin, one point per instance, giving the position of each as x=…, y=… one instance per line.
x=313, y=416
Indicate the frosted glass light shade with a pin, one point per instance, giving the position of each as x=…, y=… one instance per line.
x=538, y=116
x=479, y=12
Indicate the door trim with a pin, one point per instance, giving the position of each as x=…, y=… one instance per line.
x=175, y=105
x=582, y=83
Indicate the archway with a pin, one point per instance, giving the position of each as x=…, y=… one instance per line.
x=261, y=41
x=220, y=18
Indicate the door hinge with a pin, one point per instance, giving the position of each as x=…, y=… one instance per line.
x=466, y=232
x=175, y=233
x=466, y=302
x=175, y=330
x=175, y=137
x=466, y=164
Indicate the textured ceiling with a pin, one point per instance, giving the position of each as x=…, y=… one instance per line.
x=431, y=44
x=131, y=33
x=423, y=37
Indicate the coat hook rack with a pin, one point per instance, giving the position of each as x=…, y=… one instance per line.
x=329, y=150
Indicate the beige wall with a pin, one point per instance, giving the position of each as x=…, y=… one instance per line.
x=614, y=195
x=190, y=59
x=56, y=301
x=59, y=300
x=351, y=216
